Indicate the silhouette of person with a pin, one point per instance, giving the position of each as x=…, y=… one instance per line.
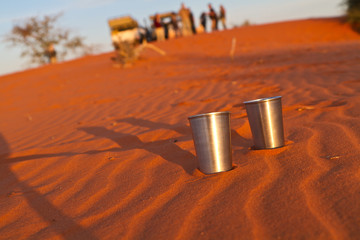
x=193, y=29
x=203, y=20
x=159, y=30
x=213, y=18
x=223, y=16
x=184, y=13
x=174, y=22
x=50, y=53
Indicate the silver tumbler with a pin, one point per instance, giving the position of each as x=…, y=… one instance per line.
x=212, y=140
x=266, y=122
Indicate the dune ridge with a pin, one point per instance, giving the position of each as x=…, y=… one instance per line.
x=92, y=151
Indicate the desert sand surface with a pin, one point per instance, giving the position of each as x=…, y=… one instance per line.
x=89, y=150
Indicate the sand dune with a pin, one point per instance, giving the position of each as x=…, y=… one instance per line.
x=91, y=151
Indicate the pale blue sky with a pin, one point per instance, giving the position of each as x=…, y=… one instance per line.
x=89, y=17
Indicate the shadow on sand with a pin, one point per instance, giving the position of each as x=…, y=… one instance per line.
x=57, y=221
x=167, y=149
x=64, y=225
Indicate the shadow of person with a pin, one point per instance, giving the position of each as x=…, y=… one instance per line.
x=236, y=138
x=57, y=221
x=9, y=160
x=51, y=155
x=167, y=149
x=179, y=128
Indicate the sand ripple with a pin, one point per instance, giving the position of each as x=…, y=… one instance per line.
x=89, y=151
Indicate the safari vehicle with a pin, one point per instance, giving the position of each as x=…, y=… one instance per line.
x=167, y=19
x=127, y=38
x=124, y=29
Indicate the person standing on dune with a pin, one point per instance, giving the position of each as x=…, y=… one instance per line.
x=203, y=20
x=174, y=22
x=184, y=13
x=192, y=22
x=223, y=16
x=213, y=18
x=50, y=54
x=159, y=30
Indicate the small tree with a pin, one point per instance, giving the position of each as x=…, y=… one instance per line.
x=353, y=13
x=36, y=35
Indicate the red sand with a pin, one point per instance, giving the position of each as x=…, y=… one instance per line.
x=92, y=151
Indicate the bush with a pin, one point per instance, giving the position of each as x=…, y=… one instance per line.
x=353, y=13
x=35, y=36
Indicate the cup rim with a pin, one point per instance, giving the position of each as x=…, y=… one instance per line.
x=209, y=114
x=261, y=100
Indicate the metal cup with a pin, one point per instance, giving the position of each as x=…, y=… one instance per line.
x=266, y=122
x=212, y=140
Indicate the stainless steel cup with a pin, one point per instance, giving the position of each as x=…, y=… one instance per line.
x=266, y=122
x=212, y=140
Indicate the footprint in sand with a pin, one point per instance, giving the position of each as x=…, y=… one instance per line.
x=182, y=104
x=337, y=103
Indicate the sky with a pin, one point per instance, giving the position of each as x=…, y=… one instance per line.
x=88, y=18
